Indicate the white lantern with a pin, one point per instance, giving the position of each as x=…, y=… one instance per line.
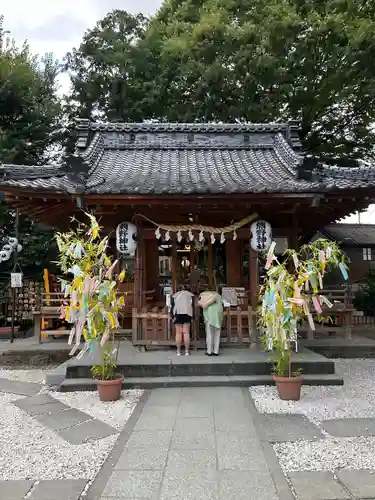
x=126, y=238
x=4, y=255
x=13, y=242
x=261, y=236
x=8, y=248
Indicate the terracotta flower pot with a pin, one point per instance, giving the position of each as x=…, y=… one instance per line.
x=288, y=388
x=110, y=390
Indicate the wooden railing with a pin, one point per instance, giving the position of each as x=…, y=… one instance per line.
x=239, y=325
x=154, y=326
x=338, y=318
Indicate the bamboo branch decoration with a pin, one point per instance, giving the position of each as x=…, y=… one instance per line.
x=288, y=297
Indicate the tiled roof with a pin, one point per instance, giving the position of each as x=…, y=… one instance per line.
x=185, y=158
x=351, y=234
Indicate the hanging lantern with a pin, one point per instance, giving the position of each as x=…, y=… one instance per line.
x=13, y=242
x=126, y=238
x=260, y=235
x=4, y=255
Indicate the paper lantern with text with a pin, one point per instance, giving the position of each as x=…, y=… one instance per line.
x=126, y=238
x=260, y=235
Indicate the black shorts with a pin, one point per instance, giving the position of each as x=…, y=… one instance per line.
x=182, y=319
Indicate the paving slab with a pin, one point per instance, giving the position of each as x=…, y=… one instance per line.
x=161, y=418
x=143, y=459
x=361, y=483
x=190, y=484
x=350, y=427
x=238, y=451
x=134, y=485
x=317, y=485
x=190, y=409
x=18, y=387
x=58, y=489
x=87, y=431
x=149, y=439
x=193, y=433
x=162, y=397
x=278, y=427
x=15, y=490
x=40, y=404
x=246, y=485
x=191, y=460
x=217, y=396
x=230, y=420
x=60, y=420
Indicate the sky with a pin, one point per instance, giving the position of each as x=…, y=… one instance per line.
x=58, y=26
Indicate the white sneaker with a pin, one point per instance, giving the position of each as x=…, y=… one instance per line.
x=187, y=353
x=178, y=354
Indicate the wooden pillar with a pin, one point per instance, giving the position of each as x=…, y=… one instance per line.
x=174, y=266
x=210, y=266
x=234, y=263
x=253, y=292
x=139, y=275
x=152, y=265
x=294, y=237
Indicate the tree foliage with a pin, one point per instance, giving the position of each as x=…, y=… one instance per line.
x=29, y=128
x=239, y=60
x=102, y=69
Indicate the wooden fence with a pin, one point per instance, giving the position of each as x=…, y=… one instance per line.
x=155, y=327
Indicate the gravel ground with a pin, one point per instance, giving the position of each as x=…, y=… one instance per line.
x=25, y=375
x=356, y=399
x=32, y=451
x=115, y=414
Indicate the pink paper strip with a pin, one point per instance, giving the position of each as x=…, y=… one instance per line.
x=316, y=303
x=270, y=255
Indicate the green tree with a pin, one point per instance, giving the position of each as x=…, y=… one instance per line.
x=243, y=60
x=30, y=112
x=102, y=69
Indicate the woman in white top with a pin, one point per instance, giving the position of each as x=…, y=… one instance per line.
x=182, y=316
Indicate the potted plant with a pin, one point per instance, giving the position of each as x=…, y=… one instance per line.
x=292, y=293
x=92, y=303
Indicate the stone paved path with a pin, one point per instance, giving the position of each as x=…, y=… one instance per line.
x=193, y=444
x=57, y=489
x=70, y=424
x=19, y=387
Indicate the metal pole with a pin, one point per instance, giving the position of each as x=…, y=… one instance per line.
x=15, y=260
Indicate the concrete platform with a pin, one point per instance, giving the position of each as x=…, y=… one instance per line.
x=234, y=367
x=339, y=347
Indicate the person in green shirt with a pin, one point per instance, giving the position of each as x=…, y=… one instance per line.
x=213, y=313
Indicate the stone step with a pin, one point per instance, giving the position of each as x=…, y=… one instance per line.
x=88, y=384
x=191, y=368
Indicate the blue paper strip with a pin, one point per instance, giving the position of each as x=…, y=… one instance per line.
x=344, y=272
